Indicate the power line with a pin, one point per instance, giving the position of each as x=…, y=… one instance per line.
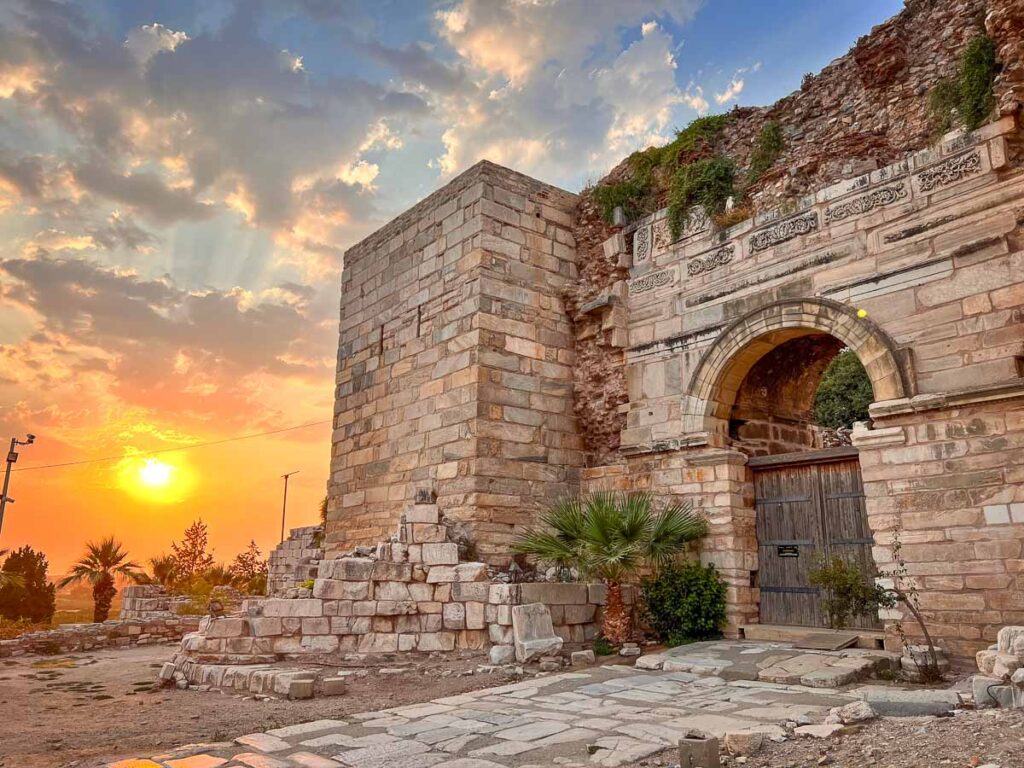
x=173, y=450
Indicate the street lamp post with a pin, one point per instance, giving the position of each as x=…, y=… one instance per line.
x=12, y=457
x=284, y=503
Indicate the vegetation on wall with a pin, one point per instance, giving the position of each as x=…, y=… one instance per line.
x=844, y=393
x=685, y=602
x=691, y=173
x=967, y=98
x=766, y=151
x=654, y=167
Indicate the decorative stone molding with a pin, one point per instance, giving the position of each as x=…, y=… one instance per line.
x=949, y=172
x=651, y=281
x=642, y=244
x=958, y=398
x=863, y=437
x=784, y=231
x=710, y=261
x=865, y=203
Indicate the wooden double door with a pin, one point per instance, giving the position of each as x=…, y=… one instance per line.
x=809, y=506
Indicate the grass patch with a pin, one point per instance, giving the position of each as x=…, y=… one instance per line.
x=708, y=182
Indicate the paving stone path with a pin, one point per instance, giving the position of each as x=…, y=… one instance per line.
x=604, y=716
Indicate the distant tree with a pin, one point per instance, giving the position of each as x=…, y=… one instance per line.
x=24, y=591
x=250, y=563
x=191, y=556
x=8, y=579
x=101, y=565
x=164, y=571
x=323, y=510
x=844, y=393
x=218, y=575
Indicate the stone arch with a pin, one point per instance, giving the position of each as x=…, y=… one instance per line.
x=723, y=367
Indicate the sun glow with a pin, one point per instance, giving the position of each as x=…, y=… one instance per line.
x=155, y=480
x=155, y=473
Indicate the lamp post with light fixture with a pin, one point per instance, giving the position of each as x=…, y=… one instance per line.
x=12, y=456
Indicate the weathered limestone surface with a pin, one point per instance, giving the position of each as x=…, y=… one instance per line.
x=294, y=560
x=533, y=632
x=455, y=365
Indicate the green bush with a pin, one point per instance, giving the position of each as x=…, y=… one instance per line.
x=32, y=596
x=977, y=75
x=602, y=647
x=850, y=591
x=707, y=182
x=685, y=602
x=969, y=95
x=767, y=150
x=844, y=393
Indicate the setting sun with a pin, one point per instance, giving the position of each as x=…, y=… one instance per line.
x=160, y=481
x=155, y=473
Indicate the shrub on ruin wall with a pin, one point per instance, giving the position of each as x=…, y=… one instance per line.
x=968, y=97
x=652, y=169
x=708, y=182
x=767, y=150
x=685, y=602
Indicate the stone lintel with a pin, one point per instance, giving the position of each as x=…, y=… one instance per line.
x=954, y=399
x=862, y=437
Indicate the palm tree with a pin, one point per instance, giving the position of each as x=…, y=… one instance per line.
x=218, y=575
x=164, y=569
x=100, y=565
x=611, y=537
x=8, y=579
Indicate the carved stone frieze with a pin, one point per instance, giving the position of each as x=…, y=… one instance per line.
x=642, y=244
x=651, y=281
x=697, y=221
x=858, y=205
x=950, y=171
x=783, y=231
x=710, y=261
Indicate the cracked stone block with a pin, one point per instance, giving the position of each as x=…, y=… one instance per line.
x=533, y=633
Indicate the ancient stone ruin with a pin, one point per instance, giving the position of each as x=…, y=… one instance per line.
x=502, y=346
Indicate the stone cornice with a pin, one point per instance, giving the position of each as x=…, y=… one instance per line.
x=954, y=399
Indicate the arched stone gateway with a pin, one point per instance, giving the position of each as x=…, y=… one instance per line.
x=724, y=366
x=459, y=366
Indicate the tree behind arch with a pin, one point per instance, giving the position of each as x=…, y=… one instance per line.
x=844, y=393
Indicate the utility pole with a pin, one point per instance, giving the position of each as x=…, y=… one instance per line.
x=284, y=504
x=12, y=456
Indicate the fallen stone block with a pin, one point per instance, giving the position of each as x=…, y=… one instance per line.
x=699, y=750
x=856, y=712
x=533, y=632
x=333, y=686
x=891, y=702
x=501, y=654
x=819, y=731
x=743, y=743
x=583, y=658
x=650, y=661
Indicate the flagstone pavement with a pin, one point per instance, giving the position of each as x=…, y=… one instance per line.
x=603, y=716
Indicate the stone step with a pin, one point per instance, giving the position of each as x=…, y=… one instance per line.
x=778, y=633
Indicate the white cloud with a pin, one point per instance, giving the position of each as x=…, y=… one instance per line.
x=555, y=95
x=735, y=89
x=147, y=41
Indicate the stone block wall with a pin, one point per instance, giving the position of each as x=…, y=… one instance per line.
x=917, y=267
x=413, y=595
x=294, y=560
x=72, y=638
x=454, y=369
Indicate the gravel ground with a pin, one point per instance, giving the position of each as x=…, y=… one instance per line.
x=990, y=738
x=86, y=709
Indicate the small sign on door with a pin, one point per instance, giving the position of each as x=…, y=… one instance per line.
x=788, y=550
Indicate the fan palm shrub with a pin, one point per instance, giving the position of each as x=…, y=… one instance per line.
x=101, y=564
x=612, y=537
x=164, y=570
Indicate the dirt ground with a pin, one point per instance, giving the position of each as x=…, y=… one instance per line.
x=86, y=709
x=968, y=740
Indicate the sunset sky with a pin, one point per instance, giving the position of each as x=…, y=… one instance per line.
x=180, y=178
